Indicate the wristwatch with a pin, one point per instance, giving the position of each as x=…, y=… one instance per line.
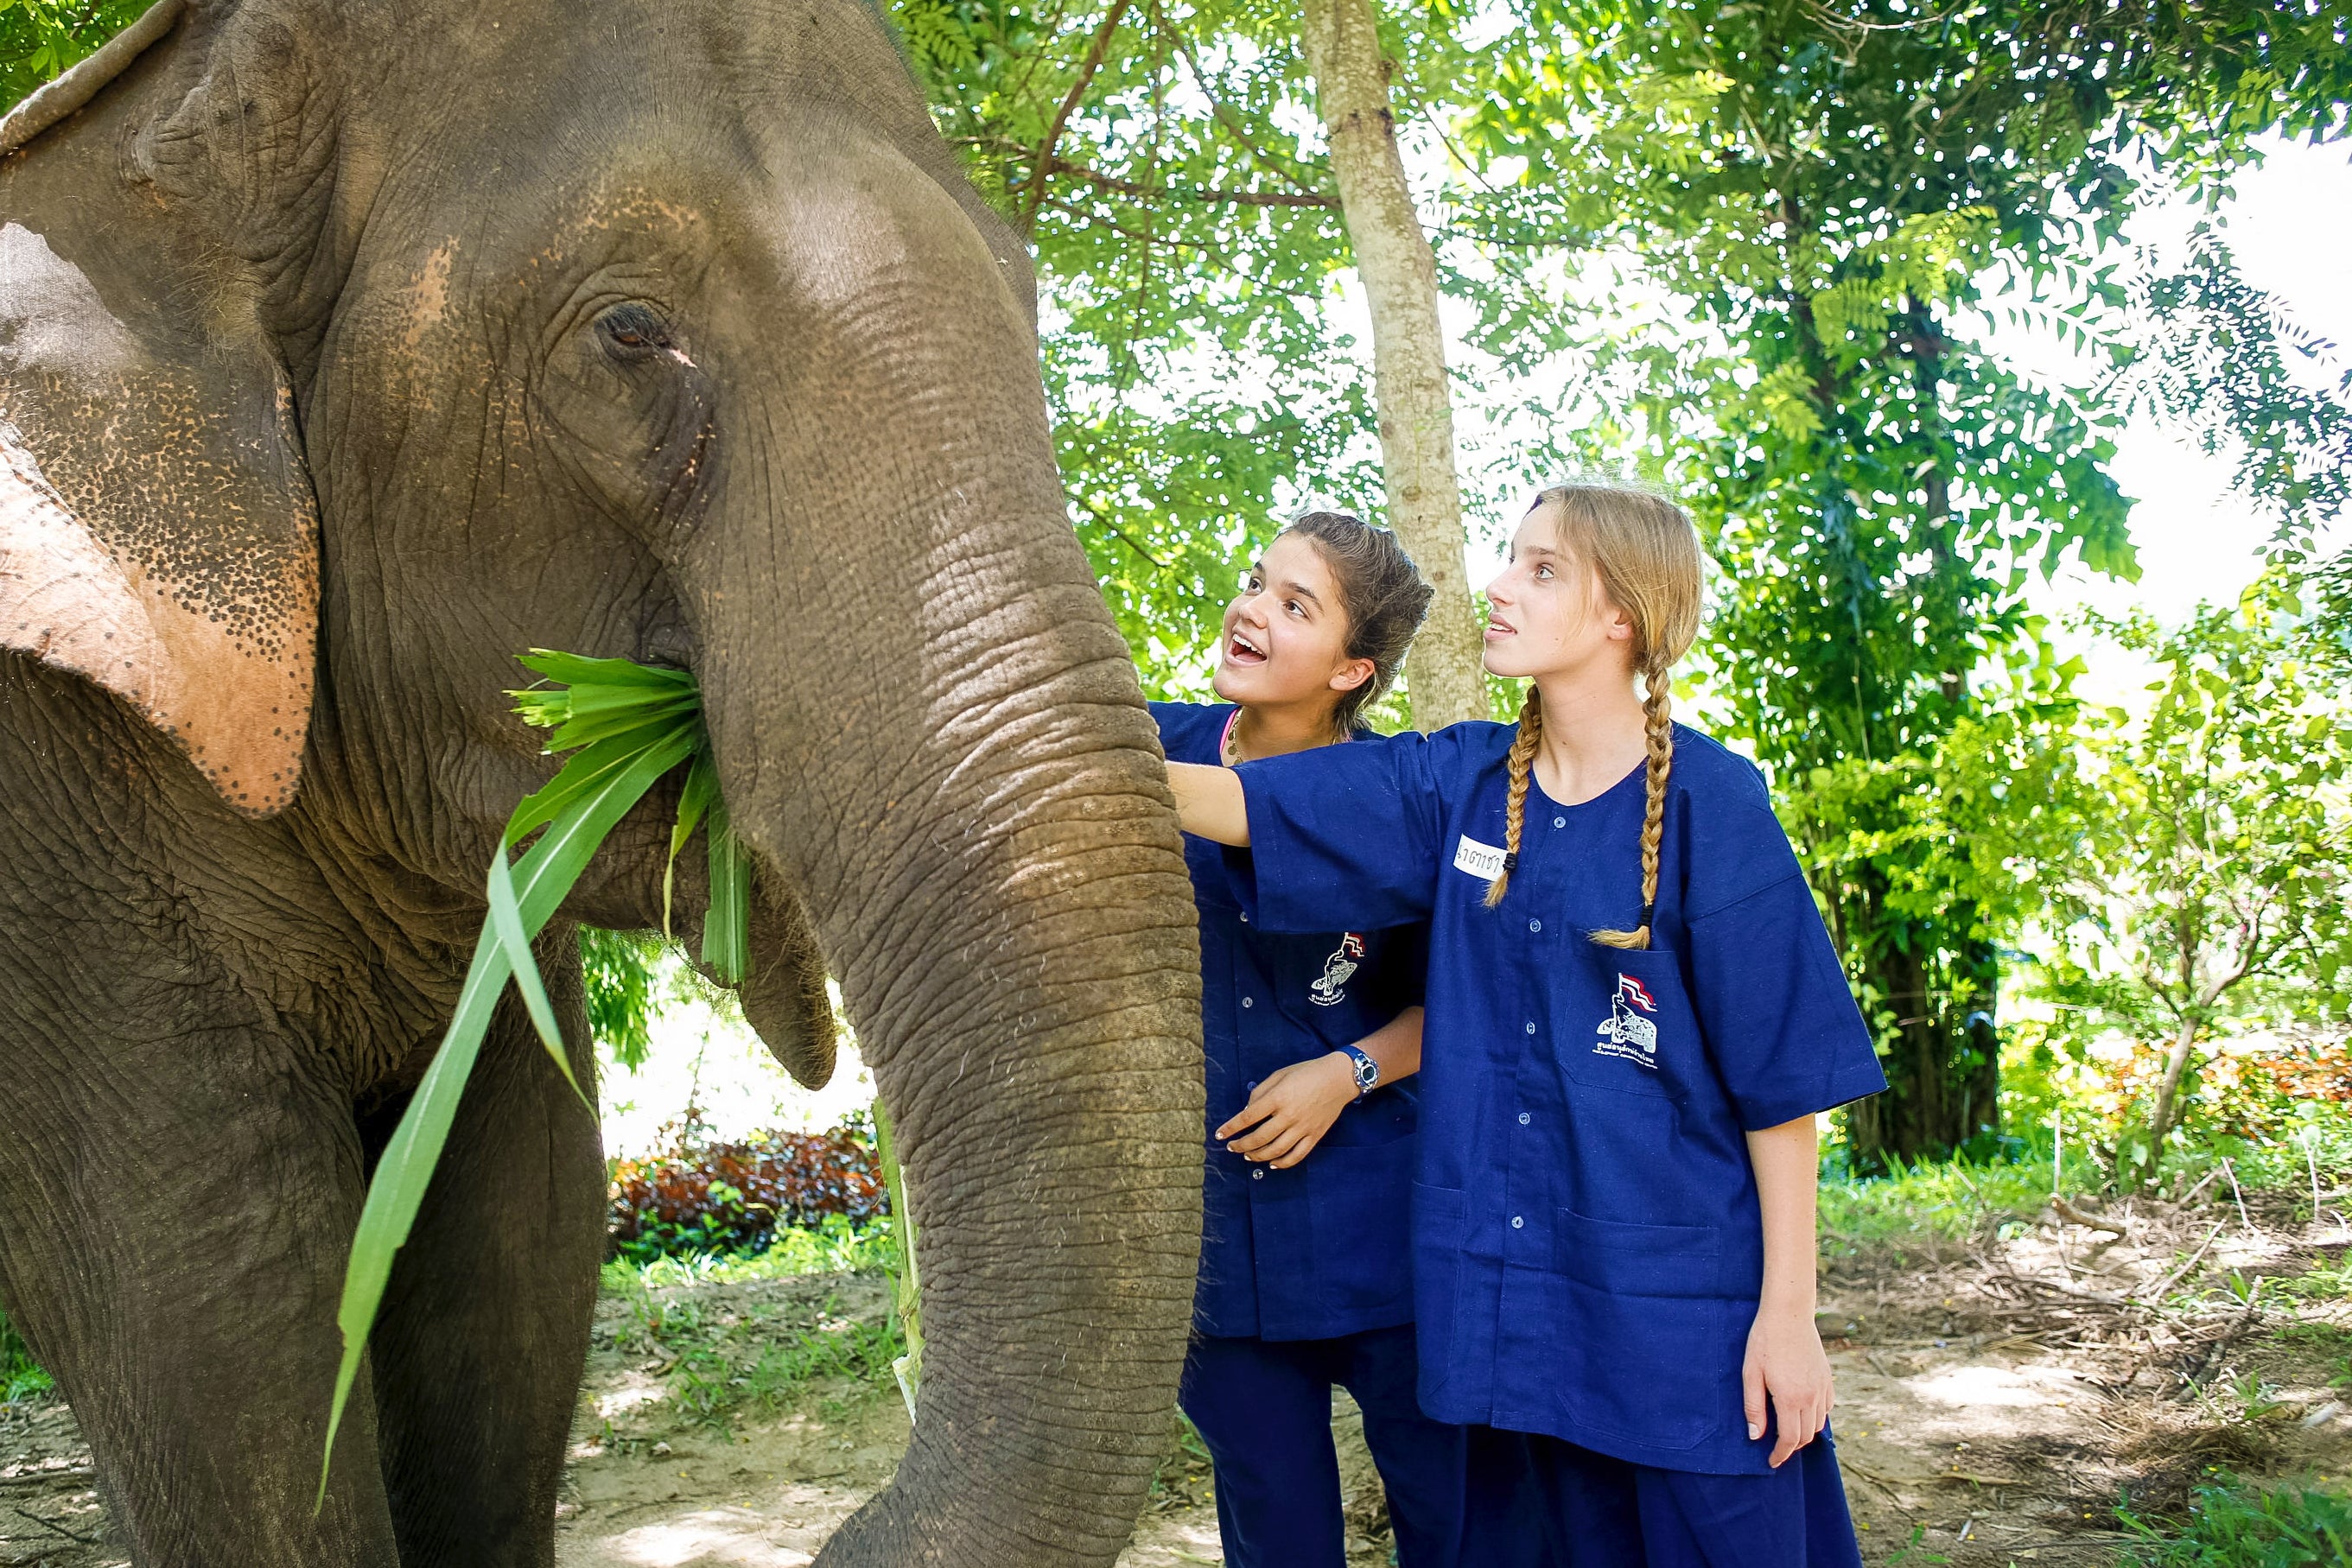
x=1368, y=1071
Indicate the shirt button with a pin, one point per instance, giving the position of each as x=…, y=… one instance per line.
x=1559, y=821
x=1525, y=1118
x=1517, y=1223
x=1246, y=918
x=1257, y=1173
x=1531, y=1026
x=1249, y=1001
x=1534, y=924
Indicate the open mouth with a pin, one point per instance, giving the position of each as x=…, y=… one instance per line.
x=1499, y=627
x=1240, y=650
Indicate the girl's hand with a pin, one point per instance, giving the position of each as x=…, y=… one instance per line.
x=1291, y=1110
x=1786, y=1362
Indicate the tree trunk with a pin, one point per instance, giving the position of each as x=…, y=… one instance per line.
x=2138, y=1173
x=1444, y=674
x=1943, y=1071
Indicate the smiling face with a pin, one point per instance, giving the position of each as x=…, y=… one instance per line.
x=1285, y=635
x=1547, y=614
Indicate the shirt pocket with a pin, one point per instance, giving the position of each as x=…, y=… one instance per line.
x=1626, y=1024
x=1361, y=1200
x=1643, y=1325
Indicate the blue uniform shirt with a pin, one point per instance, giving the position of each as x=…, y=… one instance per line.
x=1588, y=1250
x=1321, y=1249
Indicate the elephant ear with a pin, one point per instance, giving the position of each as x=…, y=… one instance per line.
x=158, y=534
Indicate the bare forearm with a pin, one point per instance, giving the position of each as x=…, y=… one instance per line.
x=1788, y=1170
x=1209, y=803
x=1396, y=1045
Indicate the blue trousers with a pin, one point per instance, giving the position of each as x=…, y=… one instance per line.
x=1600, y=1513
x=1264, y=1408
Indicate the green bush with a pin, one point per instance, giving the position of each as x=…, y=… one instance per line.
x=2234, y=1525
x=20, y=1374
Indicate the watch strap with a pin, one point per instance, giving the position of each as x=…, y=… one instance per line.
x=1368, y=1071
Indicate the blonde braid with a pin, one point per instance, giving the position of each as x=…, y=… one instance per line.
x=1658, y=727
x=1522, y=765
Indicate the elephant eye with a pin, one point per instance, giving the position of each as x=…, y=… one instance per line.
x=632, y=330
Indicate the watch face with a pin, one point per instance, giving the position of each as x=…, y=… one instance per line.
x=1368, y=1073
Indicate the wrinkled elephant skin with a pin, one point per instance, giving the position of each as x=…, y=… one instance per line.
x=348, y=350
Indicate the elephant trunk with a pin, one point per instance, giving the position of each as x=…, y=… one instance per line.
x=942, y=751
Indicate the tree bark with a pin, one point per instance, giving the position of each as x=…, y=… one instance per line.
x=2166, y=1110
x=1444, y=674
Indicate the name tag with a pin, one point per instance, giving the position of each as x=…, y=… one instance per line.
x=1479, y=860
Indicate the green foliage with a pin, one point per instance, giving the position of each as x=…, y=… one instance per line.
x=2236, y=1524
x=20, y=1374
x=737, y=1197
x=2217, y=356
x=834, y=1244
x=40, y=38
x=1167, y=163
x=619, y=969
x=2195, y=861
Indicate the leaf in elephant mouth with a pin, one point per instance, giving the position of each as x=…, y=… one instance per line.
x=627, y=726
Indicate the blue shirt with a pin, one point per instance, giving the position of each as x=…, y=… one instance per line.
x=1321, y=1249
x=1588, y=1248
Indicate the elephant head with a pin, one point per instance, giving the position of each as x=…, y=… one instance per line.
x=348, y=351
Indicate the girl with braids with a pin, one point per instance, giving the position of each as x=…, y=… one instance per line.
x=1634, y=1015
x=1303, y=1280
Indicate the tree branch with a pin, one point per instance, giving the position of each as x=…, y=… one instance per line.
x=1104, y=182
x=1096, y=51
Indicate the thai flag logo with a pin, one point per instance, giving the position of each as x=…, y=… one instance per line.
x=1337, y=971
x=1625, y=1032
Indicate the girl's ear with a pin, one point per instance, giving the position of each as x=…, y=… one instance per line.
x=1620, y=624
x=1352, y=674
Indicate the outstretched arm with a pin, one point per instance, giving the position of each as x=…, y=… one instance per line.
x=1785, y=1361
x=1209, y=803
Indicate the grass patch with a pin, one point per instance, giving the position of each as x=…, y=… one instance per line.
x=735, y=1353
x=20, y=1375
x=2233, y=1525
x=834, y=1245
x=1943, y=1201
x=711, y=1386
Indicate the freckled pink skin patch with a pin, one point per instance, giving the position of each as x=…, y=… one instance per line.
x=235, y=696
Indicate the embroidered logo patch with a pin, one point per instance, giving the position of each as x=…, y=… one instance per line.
x=1625, y=1032
x=1483, y=860
x=1337, y=968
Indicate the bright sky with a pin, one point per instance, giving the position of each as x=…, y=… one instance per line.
x=2290, y=228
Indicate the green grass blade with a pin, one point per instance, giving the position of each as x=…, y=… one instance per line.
x=402, y=1175
x=693, y=802
x=586, y=771
x=727, y=929
x=647, y=719
x=578, y=669
x=546, y=875
x=543, y=709
x=505, y=919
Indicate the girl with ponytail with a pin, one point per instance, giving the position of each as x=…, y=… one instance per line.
x=1311, y=1038
x=1634, y=1016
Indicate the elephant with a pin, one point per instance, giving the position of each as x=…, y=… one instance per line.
x=350, y=349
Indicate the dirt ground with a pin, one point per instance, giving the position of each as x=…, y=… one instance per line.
x=1998, y=1395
